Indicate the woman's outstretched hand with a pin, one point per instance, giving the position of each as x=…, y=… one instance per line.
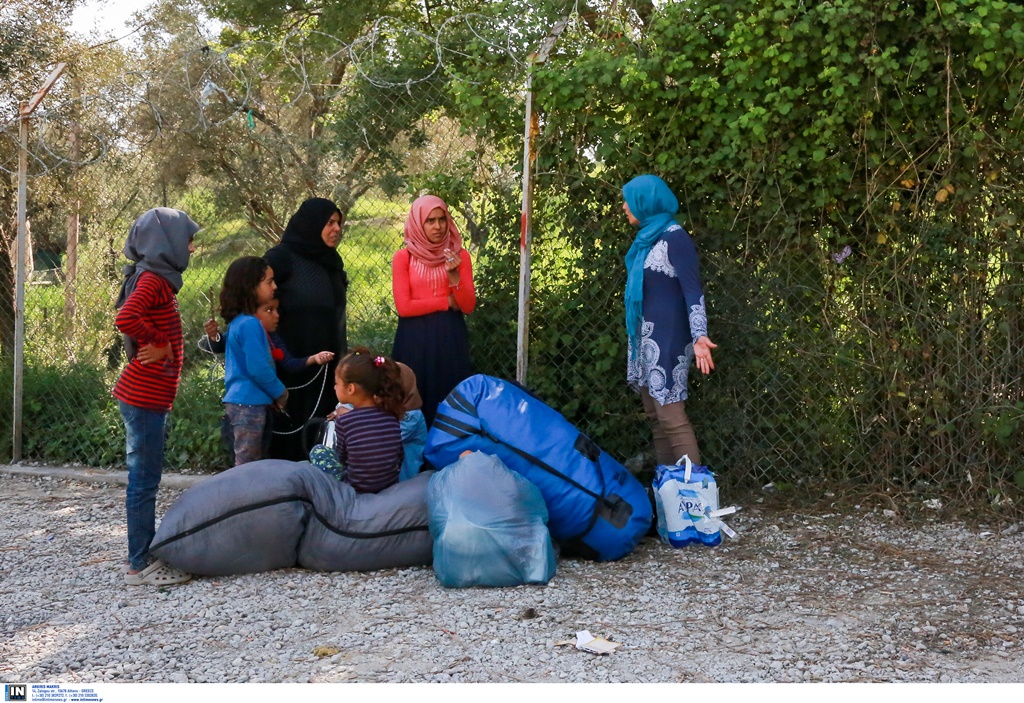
x=702, y=351
x=320, y=358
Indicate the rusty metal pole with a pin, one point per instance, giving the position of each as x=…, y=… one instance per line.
x=525, y=241
x=526, y=220
x=25, y=111
x=19, y=286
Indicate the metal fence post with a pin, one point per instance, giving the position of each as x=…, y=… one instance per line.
x=526, y=224
x=19, y=283
x=25, y=111
x=74, y=225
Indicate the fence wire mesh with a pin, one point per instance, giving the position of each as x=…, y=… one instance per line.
x=237, y=145
x=830, y=368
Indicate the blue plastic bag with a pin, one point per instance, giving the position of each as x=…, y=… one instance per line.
x=489, y=526
x=686, y=498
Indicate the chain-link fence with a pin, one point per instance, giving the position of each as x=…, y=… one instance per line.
x=205, y=140
x=831, y=367
x=885, y=353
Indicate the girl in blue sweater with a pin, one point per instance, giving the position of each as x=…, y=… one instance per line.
x=252, y=389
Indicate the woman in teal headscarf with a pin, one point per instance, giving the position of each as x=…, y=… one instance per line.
x=665, y=317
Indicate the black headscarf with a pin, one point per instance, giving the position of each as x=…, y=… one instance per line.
x=303, y=235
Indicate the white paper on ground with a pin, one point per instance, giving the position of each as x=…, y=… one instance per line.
x=597, y=645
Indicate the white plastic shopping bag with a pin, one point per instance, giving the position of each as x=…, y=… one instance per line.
x=686, y=497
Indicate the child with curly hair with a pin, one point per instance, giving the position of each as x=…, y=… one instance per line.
x=251, y=386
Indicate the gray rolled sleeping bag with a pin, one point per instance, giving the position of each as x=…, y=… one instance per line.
x=349, y=531
x=245, y=520
x=275, y=514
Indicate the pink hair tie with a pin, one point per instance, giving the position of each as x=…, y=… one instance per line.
x=378, y=361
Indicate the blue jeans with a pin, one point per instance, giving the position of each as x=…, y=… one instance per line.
x=144, y=444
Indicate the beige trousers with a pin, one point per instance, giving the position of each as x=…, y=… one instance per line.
x=673, y=433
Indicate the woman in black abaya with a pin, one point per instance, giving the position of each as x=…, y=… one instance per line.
x=311, y=285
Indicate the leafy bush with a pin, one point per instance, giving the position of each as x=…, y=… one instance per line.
x=68, y=413
x=850, y=173
x=193, y=437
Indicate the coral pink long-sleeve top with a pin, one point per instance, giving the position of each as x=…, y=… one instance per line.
x=421, y=290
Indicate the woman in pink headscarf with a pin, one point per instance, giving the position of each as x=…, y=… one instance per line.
x=432, y=280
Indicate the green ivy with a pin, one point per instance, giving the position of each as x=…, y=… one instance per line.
x=790, y=131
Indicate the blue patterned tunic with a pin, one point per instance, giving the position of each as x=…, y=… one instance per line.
x=673, y=317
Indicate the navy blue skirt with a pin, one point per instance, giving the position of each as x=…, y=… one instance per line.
x=436, y=348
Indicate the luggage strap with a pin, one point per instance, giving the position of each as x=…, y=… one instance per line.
x=612, y=508
x=460, y=429
x=460, y=402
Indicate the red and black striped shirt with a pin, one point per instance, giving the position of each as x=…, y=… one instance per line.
x=150, y=316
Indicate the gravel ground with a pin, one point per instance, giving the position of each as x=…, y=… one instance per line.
x=800, y=597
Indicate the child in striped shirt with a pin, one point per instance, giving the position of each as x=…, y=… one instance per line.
x=158, y=245
x=368, y=450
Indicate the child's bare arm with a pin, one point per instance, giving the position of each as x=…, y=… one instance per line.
x=341, y=409
x=282, y=401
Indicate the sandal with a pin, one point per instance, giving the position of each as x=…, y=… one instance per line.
x=158, y=573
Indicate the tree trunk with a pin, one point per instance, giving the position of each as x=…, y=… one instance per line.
x=8, y=237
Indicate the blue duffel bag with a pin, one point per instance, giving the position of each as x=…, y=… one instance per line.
x=597, y=509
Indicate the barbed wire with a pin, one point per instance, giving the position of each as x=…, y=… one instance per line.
x=220, y=85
